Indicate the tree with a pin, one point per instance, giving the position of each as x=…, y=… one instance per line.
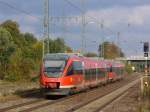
x=14, y=72
x=20, y=68
x=37, y=51
x=29, y=38
x=21, y=53
x=57, y=46
x=6, y=49
x=13, y=28
x=68, y=49
x=111, y=50
x=91, y=54
x=128, y=68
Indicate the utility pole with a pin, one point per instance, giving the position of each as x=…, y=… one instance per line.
x=64, y=22
x=46, y=27
x=83, y=26
x=118, y=39
x=103, y=40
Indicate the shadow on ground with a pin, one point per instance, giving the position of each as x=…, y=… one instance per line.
x=32, y=93
x=36, y=93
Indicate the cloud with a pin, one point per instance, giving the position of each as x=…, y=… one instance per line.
x=22, y=18
x=140, y=15
x=115, y=18
x=31, y=19
x=137, y=15
x=28, y=29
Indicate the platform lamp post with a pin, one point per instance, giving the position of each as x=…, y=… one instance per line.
x=118, y=42
x=83, y=49
x=102, y=46
x=100, y=27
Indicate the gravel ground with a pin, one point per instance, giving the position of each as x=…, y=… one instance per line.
x=12, y=91
x=128, y=102
x=15, y=102
x=82, y=98
x=68, y=103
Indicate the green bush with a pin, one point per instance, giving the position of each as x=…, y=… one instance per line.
x=128, y=68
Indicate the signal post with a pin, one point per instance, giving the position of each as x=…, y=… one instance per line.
x=145, y=80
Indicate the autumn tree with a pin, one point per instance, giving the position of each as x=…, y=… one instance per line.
x=6, y=49
x=21, y=53
x=110, y=50
x=91, y=54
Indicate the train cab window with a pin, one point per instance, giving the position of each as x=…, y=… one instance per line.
x=75, y=68
x=70, y=70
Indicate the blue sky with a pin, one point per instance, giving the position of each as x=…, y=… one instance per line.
x=129, y=17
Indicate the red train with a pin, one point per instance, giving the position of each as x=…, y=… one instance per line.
x=62, y=74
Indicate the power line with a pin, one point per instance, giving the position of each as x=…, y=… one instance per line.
x=29, y=14
x=51, y=18
x=82, y=11
x=58, y=18
x=17, y=9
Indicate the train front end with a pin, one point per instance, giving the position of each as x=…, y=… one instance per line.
x=51, y=74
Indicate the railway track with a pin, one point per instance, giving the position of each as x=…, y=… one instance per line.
x=20, y=105
x=69, y=103
x=38, y=103
x=107, y=97
x=101, y=102
x=125, y=99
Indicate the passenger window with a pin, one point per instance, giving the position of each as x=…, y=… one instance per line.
x=111, y=69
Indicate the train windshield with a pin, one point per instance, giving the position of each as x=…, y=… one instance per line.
x=54, y=68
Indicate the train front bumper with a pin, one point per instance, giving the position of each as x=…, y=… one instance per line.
x=60, y=91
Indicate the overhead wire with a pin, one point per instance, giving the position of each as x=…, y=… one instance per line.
x=17, y=9
x=29, y=14
x=78, y=8
x=23, y=11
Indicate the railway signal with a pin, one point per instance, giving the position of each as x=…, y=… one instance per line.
x=145, y=80
x=146, y=47
x=146, y=53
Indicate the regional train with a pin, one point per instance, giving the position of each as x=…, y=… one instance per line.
x=63, y=74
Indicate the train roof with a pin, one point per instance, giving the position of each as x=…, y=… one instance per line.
x=65, y=56
x=59, y=56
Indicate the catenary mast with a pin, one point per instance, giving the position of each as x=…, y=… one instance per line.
x=46, y=27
